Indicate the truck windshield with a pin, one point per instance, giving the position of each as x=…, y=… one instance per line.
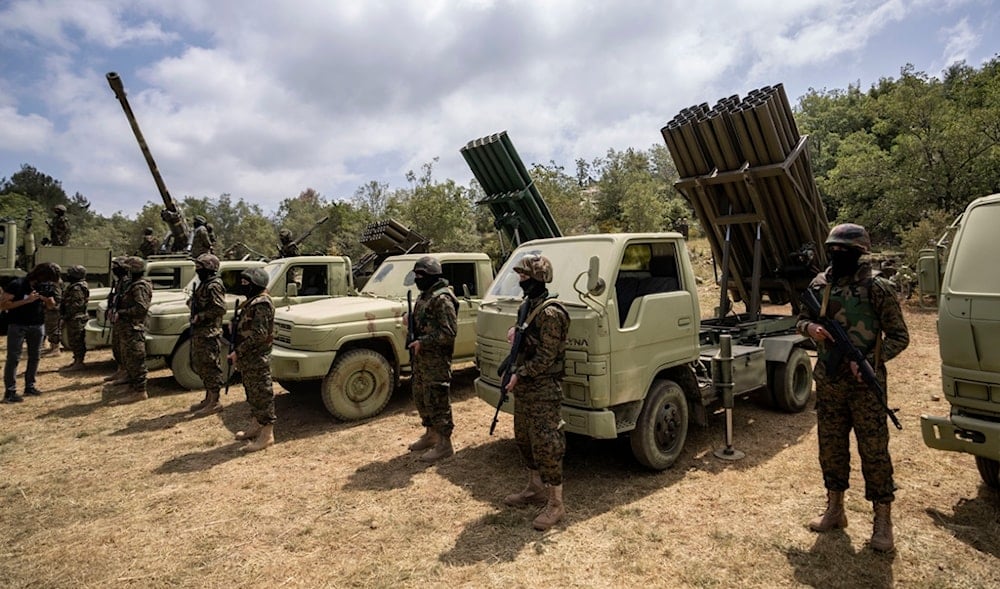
x=978, y=238
x=569, y=259
x=392, y=279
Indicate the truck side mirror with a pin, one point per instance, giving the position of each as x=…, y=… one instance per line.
x=466, y=294
x=595, y=284
x=292, y=289
x=929, y=272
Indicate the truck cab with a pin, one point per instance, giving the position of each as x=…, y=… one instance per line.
x=353, y=349
x=969, y=337
x=292, y=281
x=639, y=359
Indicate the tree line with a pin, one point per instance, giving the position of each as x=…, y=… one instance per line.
x=902, y=158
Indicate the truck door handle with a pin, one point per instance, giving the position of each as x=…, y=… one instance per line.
x=683, y=321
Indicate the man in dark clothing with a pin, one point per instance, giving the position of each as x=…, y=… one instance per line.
x=25, y=309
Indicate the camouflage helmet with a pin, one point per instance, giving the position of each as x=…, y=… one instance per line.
x=207, y=262
x=535, y=266
x=118, y=262
x=255, y=276
x=61, y=209
x=134, y=264
x=428, y=266
x=147, y=231
x=850, y=235
x=199, y=220
x=54, y=268
x=76, y=272
x=285, y=234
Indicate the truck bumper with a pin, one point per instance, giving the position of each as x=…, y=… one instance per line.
x=596, y=423
x=158, y=345
x=288, y=364
x=95, y=336
x=958, y=433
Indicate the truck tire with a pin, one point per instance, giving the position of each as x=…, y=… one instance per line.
x=359, y=385
x=184, y=374
x=989, y=470
x=791, y=383
x=662, y=427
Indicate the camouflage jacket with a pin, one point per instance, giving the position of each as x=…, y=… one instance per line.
x=59, y=230
x=254, y=332
x=288, y=250
x=201, y=243
x=74, y=301
x=133, y=304
x=208, y=306
x=866, y=306
x=149, y=246
x=435, y=317
x=543, y=344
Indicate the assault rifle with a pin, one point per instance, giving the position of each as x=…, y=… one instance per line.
x=844, y=348
x=233, y=337
x=411, y=324
x=109, y=312
x=506, y=369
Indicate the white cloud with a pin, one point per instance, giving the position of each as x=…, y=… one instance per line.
x=960, y=41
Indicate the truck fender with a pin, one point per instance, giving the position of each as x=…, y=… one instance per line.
x=380, y=341
x=779, y=347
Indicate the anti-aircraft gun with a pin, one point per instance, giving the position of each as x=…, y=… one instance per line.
x=180, y=235
x=518, y=208
x=301, y=238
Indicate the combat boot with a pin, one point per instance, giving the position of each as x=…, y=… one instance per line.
x=118, y=375
x=553, y=511
x=250, y=432
x=442, y=449
x=882, y=528
x=134, y=396
x=429, y=439
x=265, y=438
x=75, y=366
x=532, y=494
x=834, y=517
x=53, y=349
x=211, y=405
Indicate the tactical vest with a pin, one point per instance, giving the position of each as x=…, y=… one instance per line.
x=853, y=307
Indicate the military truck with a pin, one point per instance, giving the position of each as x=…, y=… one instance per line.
x=293, y=281
x=969, y=336
x=171, y=277
x=353, y=349
x=97, y=260
x=640, y=360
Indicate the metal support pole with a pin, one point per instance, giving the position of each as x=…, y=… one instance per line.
x=722, y=375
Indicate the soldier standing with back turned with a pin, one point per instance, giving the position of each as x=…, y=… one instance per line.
x=252, y=357
x=435, y=319
x=208, y=306
x=150, y=244
x=53, y=319
x=73, y=310
x=867, y=308
x=121, y=281
x=537, y=389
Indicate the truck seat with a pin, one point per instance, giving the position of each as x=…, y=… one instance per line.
x=626, y=289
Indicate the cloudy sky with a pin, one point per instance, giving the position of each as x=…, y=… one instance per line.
x=263, y=99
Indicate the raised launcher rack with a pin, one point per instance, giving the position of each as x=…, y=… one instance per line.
x=386, y=238
x=746, y=171
x=519, y=211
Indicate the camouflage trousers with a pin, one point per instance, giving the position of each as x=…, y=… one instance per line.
x=205, y=350
x=538, y=427
x=257, y=385
x=133, y=356
x=840, y=407
x=76, y=334
x=431, y=387
x=117, y=337
x=53, y=326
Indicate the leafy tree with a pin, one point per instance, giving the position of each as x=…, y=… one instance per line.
x=441, y=211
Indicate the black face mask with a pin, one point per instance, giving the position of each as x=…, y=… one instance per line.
x=204, y=274
x=845, y=263
x=120, y=272
x=424, y=282
x=532, y=288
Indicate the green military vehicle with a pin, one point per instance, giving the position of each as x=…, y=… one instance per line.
x=293, y=281
x=353, y=349
x=640, y=359
x=14, y=264
x=969, y=337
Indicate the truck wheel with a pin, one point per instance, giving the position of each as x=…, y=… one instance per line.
x=184, y=373
x=359, y=385
x=792, y=382
x=661, y=429
x=989, y=469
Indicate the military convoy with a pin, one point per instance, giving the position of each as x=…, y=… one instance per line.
x=969, y=336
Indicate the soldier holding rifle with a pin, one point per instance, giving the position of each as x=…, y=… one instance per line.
x=867, y=308
x=208, y=306
x=252, y=357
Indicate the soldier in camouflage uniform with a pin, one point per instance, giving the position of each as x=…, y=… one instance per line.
x=73, y=310
x=121, y=274
x=59, y=227
x=201, y=241
x=208, y=306
x=286, y=247
x=131, y=312
x=150, y=244
x=867, y=308
x=53, y=325
x=435, y=318
x=252, y=357
x=537, y=389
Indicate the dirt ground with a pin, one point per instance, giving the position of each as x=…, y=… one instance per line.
x=141, y=496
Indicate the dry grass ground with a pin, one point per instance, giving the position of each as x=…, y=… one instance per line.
x=140, y=496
